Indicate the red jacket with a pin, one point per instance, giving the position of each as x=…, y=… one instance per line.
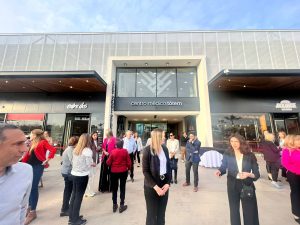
x=119, y=160
x=40, y=151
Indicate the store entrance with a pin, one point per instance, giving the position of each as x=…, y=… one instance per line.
x=76, y=124
x=288, y=122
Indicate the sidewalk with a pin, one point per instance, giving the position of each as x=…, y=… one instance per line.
x=209, y=206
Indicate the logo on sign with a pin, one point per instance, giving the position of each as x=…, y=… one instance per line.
x=77, y=106
x=286, y=105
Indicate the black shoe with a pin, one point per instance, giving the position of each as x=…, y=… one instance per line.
x=115, y=207
x=64, y=214
x=80, y=217
x=132, y=180
x=297, y=220
x=80, y=222
x=171, y=181
x=175, y=181
x=122, y=208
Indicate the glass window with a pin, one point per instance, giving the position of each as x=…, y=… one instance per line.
x=2, y=117
x=27, y=125
x=126, y=82
x=166, y=82
x=146, y=83
x=55, y=126
x=251, y=126
x=97, y=122
x=187, y=82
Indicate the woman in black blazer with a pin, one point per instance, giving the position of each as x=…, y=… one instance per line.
x=157, y=172
x=242, y=169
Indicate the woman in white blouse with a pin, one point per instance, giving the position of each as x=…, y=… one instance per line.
x=139, y=145
x=82, y=162
x=174, y=153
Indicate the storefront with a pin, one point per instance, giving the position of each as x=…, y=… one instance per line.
x=157, y=97
x=65, y=104
x=251, y=102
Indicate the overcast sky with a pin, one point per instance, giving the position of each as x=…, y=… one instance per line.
x=144, y=15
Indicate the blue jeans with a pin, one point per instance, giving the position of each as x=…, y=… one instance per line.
x=34, y=194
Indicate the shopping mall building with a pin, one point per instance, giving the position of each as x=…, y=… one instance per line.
x=210, y=82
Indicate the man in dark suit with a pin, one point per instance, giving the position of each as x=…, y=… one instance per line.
x=192, y=160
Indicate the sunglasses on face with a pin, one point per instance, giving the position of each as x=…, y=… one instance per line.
x=171, y=135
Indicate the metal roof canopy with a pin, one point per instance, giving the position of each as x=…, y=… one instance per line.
x=262, y=79
x=51, y=81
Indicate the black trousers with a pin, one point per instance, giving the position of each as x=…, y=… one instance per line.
x=174, y=167
x=131, y=155
x=188, y=166
x=79, y=186
x=250, y=211
x=273, y=168
x=156, y=206
x=137, y=155
x=104, y=181
x=294, y=181
x=115, y=178
x=67, y=192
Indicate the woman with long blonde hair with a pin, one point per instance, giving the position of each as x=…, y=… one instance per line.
x=82, y=162
x=291, y=161
x=157, y=172
x=38, y=158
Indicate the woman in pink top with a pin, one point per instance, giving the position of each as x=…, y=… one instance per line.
x=108, y=145
x=291, y=161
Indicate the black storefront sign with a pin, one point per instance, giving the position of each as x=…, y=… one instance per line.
x=228, y=102
x=157, y=104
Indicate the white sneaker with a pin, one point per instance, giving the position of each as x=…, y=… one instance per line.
x=275, y=184
x=90, y=194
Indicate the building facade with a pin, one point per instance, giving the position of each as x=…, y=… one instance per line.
x=209, y=82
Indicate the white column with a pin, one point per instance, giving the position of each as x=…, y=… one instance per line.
x=203, y=119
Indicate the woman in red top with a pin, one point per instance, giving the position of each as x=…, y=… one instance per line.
x=108, y=145
x=36, y=157
x=119, y=162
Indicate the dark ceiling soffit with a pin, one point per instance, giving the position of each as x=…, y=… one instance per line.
x=52, y=74
x=256, y=73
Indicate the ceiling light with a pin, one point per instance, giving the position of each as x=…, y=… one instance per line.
x=229, y=80
x=146, y=64
x=33, y=81
x=23, y=87
x=6, y=81
x=244, y=86
x=59, y=81
x=87, y=81
x=71, y=87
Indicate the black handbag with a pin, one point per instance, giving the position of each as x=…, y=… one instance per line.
x=247, y=192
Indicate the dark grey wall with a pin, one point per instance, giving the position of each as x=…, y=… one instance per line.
x=157, y=104
x=51, y=103
x=251, y=102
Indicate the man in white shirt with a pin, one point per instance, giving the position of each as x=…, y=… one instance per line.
x=15, y=177
x=130, y=146
x=174, y=152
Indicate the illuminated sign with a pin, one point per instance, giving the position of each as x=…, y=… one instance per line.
x=286, y=105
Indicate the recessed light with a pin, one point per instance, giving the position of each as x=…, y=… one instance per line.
x=59, y=81
x=87, y=81
x=244, y=86
x=33, y=81
x=6, y=81
x=71, y=87
x=23, y=87
x=229, y=80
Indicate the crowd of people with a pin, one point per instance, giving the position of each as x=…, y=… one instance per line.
x=115, y=158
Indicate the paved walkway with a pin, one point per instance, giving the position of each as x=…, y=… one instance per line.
x=209, y=206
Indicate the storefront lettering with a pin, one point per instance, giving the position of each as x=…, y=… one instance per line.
x=77, y=106
x=286, y=105
x=156, y=103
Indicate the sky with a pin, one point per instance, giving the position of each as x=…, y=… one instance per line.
x=31, y=16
